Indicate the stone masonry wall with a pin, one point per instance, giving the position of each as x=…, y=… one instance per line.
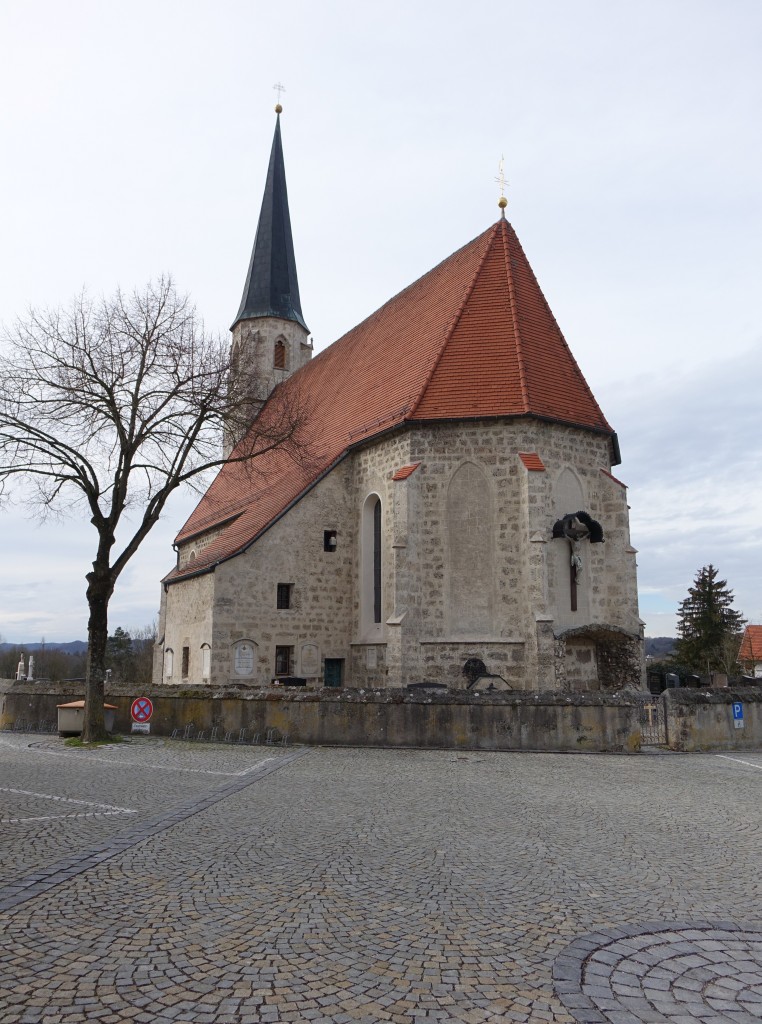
x=384, y=717
x=189, y=625
x=529, y=589
x=318, y=624
x=469, y=569
x=377, y=657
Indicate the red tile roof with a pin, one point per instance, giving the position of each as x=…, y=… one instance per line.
x=405, y=471
x=532, y=461
x=615, y=479
x=473, y=338
x=751, y=645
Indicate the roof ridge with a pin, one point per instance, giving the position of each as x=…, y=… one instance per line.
x=515, y=316
x=455, y=321
x=561, y=335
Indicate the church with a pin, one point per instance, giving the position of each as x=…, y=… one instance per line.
x=456, y=524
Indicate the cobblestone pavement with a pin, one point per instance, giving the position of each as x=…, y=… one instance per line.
x=245, y=885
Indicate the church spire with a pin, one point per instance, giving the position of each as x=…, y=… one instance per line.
x=272, y=288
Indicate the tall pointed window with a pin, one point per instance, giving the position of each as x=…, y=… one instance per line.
x=279, y=355
x=377, y=562
x=372, y=567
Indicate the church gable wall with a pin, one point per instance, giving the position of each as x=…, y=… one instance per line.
x=317, y=622
x=186, y=625
x=190, y=551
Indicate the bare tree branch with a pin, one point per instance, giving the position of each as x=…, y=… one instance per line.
x=115, y=403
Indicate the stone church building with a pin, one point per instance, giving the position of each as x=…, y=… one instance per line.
x=457, y=521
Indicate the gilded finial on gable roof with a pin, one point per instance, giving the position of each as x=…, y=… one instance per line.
x=279, y=89
x=500, y=179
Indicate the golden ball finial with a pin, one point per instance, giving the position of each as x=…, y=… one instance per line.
x=502, y=202
x=278, y=108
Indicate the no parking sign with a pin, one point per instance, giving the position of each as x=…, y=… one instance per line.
x=141, y=711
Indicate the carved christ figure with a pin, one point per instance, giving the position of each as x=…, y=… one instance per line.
x=575, y=528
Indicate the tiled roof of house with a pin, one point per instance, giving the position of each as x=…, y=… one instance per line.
x=473, y=338
x=751, y=645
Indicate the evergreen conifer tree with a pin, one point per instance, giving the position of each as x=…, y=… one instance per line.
x=709, y=628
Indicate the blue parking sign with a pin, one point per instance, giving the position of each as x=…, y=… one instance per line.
x=737, y=710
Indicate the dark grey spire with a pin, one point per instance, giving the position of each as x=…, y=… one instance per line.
x=271, y=287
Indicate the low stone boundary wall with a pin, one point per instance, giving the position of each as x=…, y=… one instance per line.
x=457, y=720
x=703, y=719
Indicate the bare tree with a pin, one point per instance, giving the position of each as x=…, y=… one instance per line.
x=109, y=406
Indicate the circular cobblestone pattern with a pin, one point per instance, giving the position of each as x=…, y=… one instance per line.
x=675, y=973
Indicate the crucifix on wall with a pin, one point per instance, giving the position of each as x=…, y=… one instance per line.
x=577, y=527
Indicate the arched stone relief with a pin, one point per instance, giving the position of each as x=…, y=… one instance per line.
x=244, y=657
x=206, y=661
x=471, y=552
x=310, y=660
x=568, y=495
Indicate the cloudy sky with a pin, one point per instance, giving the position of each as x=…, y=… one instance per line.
x=136, y=137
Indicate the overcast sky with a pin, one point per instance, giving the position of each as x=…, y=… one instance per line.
x=136, y=138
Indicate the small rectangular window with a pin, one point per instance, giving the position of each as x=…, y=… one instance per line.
x=186, y=661
x=329, y=540
x=284, y=659
x=284, y=595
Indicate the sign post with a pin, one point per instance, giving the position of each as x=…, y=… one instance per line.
x=738, y=714
x=141, y=711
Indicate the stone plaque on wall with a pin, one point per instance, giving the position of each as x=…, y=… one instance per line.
x=310, y=661
x=372, y=657
x=243, y=661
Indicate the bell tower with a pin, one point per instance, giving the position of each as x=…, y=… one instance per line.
x=270, y=338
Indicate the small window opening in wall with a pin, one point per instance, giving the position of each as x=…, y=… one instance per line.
x=186, y=661
x=279, y=355
x=192, y=555
x=329, y=540
x=284, y=595
x=284, y=660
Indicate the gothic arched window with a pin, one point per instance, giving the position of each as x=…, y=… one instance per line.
x=371, y=594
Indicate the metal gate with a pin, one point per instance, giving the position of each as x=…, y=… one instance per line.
x=653, y=723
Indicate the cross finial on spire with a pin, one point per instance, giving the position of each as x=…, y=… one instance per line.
x=500, y=179
x=279, y=88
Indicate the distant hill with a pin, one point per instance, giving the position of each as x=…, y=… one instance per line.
x=660, y=646
x=72, y=647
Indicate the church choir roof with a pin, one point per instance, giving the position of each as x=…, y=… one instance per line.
x=472, y=339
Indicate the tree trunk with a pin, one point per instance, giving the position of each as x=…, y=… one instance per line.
x=99, y=590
